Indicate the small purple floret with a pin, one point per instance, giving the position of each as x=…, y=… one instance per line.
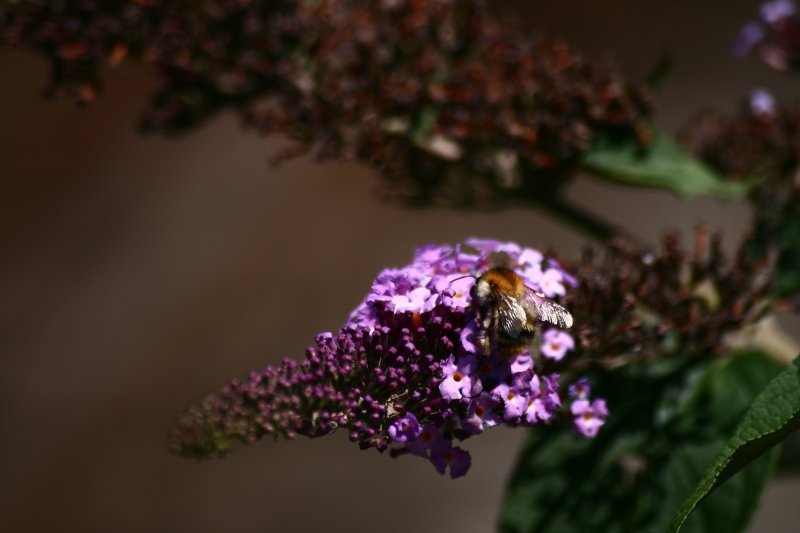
x=589, y=417
x=775, y=11
x=480, y=414
x=762, y=103
x=556, y=344
x=552, y=283
x=444, y=455
x=749, y=36
x=580, y=389
x=405, y=429
x=521, y=363
x=459, y=379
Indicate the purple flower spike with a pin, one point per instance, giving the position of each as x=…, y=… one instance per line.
x=444, y=455
x=405, y=373
x=405, y=429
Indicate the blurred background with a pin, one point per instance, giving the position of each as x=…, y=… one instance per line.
x=137, y=273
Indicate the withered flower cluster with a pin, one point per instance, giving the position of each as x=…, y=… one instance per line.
x=439, y=95
x=636, y=304
x=761, y=143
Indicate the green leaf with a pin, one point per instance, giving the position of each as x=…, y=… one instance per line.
x=668, y=420
x=777, y=225
x=774, y=415
x=422, y=124
x=787, y=279
x=660, y=71
x=664, y=165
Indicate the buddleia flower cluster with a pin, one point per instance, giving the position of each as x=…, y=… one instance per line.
x=636, y=303
x=760, y=144
x=440, y=96
x=404, y=373
x=759, y=141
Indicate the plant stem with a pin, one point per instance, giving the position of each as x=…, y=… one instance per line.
x=579, y=219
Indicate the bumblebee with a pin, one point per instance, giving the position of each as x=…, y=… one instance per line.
x=508, y=312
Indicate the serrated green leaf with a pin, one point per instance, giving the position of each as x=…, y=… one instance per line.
x=773, y=415
x=664, y=165
x=666, y=424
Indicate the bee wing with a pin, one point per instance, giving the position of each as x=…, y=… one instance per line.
x=546, y=309
x=511, y=316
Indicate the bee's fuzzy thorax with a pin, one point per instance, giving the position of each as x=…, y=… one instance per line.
x=504, y=280
x=482, y=291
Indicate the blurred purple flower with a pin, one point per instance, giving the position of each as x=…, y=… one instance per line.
x=429, y=435
x=556, y=344
x=589, y=417
x=776, y=11
x=775, y=39
x=762, y=103
x=750, y=35
x=552, y=283
x=580, y=389
x=530, y=257
x=418, y=300
x=444, y=455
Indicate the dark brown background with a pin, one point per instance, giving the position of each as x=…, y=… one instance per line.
x=137, y=273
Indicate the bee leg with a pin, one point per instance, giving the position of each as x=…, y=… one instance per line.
x=494, y=328
x=483, y=343
x=486, y=321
